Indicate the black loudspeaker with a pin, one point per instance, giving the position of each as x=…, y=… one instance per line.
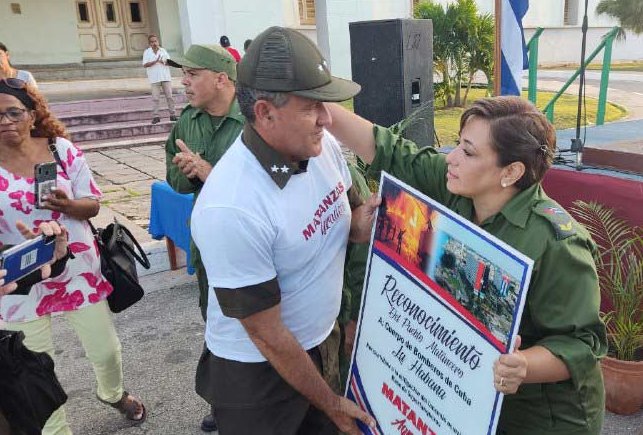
x=393, y=61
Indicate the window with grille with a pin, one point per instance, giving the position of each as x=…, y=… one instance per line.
x=307, y=12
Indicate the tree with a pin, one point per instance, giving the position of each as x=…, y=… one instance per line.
x=442, y=45
x=481, y=50
x=462, y=45
x=629, y=13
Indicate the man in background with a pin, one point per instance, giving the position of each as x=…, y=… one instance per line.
x=155, y=63
x=225, y=43
x=207, y=127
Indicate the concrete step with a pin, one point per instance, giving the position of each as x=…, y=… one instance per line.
x=112, y=144
x=77, y=120
x=109, y=105
x=90, y=70
x=119, y=130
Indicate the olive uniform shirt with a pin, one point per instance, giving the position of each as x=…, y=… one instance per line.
x=562, y=308
x=354, y=270
x=355, y=264
x=210, y=137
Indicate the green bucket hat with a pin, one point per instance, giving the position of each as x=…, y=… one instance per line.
x=212, y=57
x=284, y=60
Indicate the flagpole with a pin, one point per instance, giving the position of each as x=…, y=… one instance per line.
x=497, y=63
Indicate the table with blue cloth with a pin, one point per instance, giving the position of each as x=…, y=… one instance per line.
x=170, y=218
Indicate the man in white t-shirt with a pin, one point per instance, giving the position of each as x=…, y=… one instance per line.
x=158, y=73
x=272, y=223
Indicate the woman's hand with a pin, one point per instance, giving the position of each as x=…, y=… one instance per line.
x=362, y=219
x=51, y=228
x=57, y=200
x=6, y=288
x=81, y=208
x=510, y=370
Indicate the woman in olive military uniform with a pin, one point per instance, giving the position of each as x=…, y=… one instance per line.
x=552, y=380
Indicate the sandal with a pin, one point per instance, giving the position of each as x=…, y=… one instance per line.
x=131, y=406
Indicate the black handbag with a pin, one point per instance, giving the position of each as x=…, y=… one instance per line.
x=119, y=252
x=30, y=390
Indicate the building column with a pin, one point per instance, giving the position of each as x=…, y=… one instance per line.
x=333, y=18
x=202, y=21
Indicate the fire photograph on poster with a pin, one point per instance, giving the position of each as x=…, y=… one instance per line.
x=432, y=244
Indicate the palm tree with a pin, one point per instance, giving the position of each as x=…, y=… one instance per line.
x=481, y=50
x=442, y=44
x=619, y=263
x=629, y=13
x=460, y=45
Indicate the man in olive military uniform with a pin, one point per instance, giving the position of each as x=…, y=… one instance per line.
x=206, y=129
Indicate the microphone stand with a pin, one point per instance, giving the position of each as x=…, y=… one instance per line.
x=577, y=142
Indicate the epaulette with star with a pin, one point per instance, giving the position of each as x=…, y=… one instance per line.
x=561, y=221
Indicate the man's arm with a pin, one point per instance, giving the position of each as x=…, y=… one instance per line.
x=148, y=60
x=151, y=63
x=352, y=131
x=281, y=349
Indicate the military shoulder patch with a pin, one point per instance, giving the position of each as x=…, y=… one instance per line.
x=560, y=220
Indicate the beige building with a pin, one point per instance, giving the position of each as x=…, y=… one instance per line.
x=84, y=32
x=46, y=32
x=73, y=32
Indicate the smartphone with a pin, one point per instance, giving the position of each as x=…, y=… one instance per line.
x=45, y=176
x=20, y=260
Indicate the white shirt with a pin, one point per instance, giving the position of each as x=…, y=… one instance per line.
x=26, y=77
x=250, y=231
x=157, y=72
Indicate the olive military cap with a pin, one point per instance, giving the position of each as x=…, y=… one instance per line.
x=284, y=60
x=212, y=57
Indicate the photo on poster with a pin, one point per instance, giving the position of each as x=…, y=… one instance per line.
x=482, y=281
x=441, y=302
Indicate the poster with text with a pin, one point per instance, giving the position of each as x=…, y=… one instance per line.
x=442, y=300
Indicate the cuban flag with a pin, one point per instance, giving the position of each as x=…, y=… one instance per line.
x=504, y=286
x=513, y=47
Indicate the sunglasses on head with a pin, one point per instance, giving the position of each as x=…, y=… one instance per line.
x=14, y=83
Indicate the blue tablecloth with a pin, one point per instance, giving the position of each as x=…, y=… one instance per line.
x=170, y=217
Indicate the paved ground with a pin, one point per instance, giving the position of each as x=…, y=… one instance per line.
x=125, y=176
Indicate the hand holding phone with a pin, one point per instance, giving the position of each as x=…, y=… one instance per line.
x=57, y=200
x=45, y=181
x=49, y=230
x=20, y=260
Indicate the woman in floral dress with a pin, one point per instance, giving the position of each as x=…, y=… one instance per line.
x=27, y=131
